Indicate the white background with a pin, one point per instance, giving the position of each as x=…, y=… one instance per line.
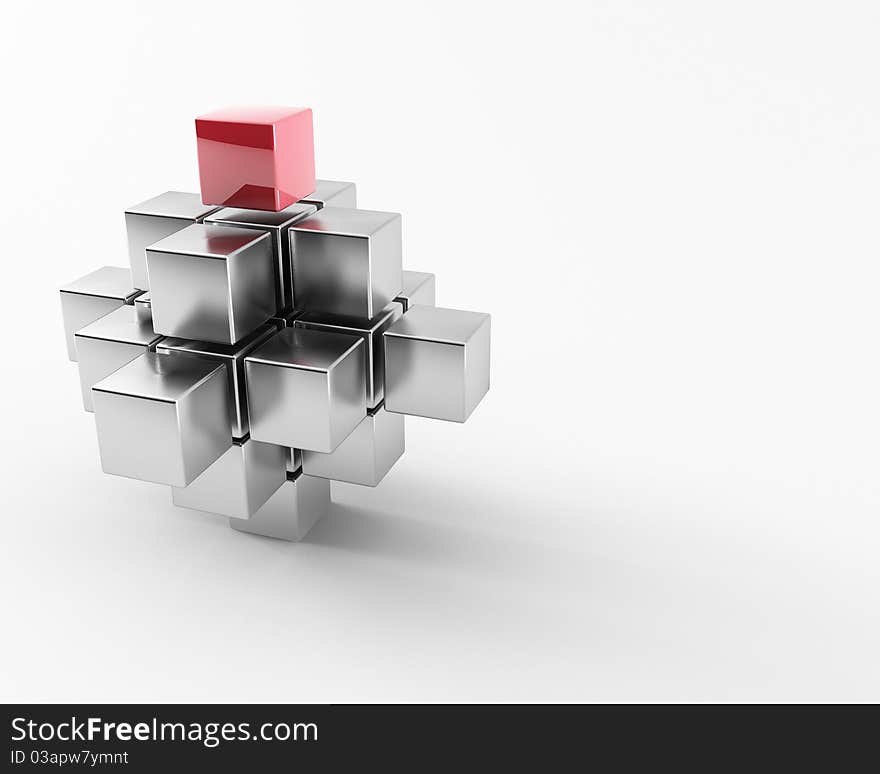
x=672, y=491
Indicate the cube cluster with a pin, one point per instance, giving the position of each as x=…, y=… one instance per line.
x=266, y=339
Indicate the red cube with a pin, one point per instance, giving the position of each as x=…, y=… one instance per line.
x=256, y=158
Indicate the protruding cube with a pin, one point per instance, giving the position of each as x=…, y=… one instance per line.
x=306, y=389
x=212, y=283
x=162, y=418
x=346, y=261
x=371, y=332
x=419, y=288
x=437, y=363
x=143, y=307
x=239, y=483
x=332, y=193
x=275, y=224
x=366, y=455
x=292, y=511
x=108, y=344
x=257, y=158
x=232, y=357
x=155, y=219
x=90, y=297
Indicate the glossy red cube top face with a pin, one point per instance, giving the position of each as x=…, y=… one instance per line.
x=256, y=158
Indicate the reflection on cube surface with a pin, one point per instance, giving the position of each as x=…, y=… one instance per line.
x=239, y=483
x=211, y=283
x=366, y=455
x=346, y=261
x=162, y=418
x=108, y=344
x=437, y=363
x=90, y=297
x=306, y=389
x=155, y=219
x=231, y=356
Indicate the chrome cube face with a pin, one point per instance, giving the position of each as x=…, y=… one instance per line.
x=231, y=356
x=437, y=363
x=306, y=389
x=366, y=456
x=107, y=344
x=162, y=418
x=419, y=289
x=298, y=504
x=250, y=356
x=239, y=483
x=346, y=261
x=211, y=283
x=85, y=300
x=332, y=193
x=276, y=225
x=370, y=331
x=155, y=219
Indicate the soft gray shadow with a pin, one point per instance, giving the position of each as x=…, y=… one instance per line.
x=450, y=546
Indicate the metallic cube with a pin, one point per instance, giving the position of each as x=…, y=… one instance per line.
x=90, y=297
x=306, y=389
x=370, y=331
x=239, y=483
x=366, y=455
x=346, y=261
x=437, y=363
x=292, y=511
x=419, y=288
x=162, y=418
x=332, y=193
x=232, y=357
x=109, y=343
x=275, y=224
x=155, y=219
x=143, y=308
x=211, y=283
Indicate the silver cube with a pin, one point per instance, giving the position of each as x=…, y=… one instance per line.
x=437, y=363
x=332, y=193
x=211, y=283
x=292, y=511
x=346, y=261
x=155, y=219
x=306, y=389
x=366, y=455
x=109, y=343
x=370, y=331
x=275, y=224
x=239, y=483
x=162, y=418
x=419, y=288
x=231, y=356
x=90, y=297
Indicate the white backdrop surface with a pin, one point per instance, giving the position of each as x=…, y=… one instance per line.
x=672, y=490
